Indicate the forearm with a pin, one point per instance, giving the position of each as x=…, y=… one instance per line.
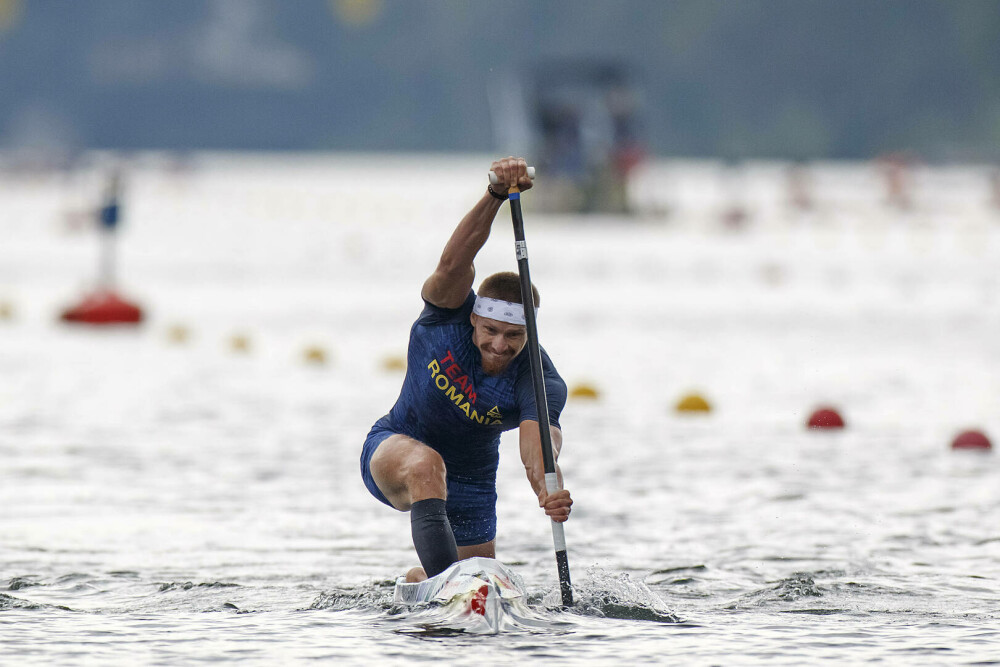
x=536, y=476
x=451, y=281
x=556, y=502
x=531, y=454
x=469, y=236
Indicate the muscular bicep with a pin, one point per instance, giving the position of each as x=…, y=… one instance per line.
x=448, y=288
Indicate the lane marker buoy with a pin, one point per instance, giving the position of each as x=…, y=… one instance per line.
x=585, y=390
x=178, y=334
x=315, y=355
x=103, y=307
x=239, y=343
x=393, y=363
x=693, y=402
x=825, y=418
x=972, y=440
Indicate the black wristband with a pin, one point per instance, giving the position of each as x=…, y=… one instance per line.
x=495, y=194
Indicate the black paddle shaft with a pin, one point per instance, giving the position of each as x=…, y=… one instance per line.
x=538, y=380
x=534, y=349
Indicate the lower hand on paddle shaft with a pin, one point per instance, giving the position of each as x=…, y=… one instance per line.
x=556, y=505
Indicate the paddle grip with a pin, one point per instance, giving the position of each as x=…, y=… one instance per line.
x=495, y=181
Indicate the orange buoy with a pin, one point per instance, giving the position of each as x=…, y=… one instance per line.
x=826, y=418
x=585, y=390
x=972, y=440
x=103, y=307
x=693, y=403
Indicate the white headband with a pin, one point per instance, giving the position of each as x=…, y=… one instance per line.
x=505, y=311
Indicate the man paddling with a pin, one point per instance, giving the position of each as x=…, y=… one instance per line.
x=436, y=453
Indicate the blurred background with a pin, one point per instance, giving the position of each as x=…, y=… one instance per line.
x=781, y=79
x=786, y=79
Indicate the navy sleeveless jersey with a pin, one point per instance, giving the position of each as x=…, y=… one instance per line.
x=450, y=404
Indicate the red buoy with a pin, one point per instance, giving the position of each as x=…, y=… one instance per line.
x=826, y=418
x=103, y=307
x=975, y=440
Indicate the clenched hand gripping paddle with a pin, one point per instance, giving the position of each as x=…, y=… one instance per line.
x=535, y=357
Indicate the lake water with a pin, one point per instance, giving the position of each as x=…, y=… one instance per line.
x=170, y=496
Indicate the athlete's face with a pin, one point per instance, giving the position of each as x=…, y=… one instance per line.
x=498, y=342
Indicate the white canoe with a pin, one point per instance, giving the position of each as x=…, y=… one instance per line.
x=479, y=588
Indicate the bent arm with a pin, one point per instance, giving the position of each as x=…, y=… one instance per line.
x=451, y=281
x=531, y=454
x=558, y=503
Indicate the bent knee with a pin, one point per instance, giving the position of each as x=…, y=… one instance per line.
x=424, y=466
x=407, y=471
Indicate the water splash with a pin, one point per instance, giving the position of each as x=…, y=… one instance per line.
x=377, y=597
x=17, y=583
x=188, y=585
x=11, y=602
x=790, y=589
x=615, y=595
x=799, y=585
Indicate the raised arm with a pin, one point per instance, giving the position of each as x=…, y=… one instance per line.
x=556, y=505
x=451, y=281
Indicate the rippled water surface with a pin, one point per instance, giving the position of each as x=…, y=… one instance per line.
x=169, y=499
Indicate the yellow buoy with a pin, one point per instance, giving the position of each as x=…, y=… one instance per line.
x=693, y=403
x=239, y=343
x=10, y=13
x=315, y=355
x=178, y=334
x=394, y=363
x=6, y=311
x=356, y=13
x=584, y=390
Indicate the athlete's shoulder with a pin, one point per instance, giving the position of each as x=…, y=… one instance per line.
x=435, y=315
x=524, y=365
x=555, y=390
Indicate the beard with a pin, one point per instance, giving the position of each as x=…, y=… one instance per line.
x=493, y=364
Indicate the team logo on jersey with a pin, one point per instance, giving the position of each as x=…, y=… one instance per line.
x=449, y=377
